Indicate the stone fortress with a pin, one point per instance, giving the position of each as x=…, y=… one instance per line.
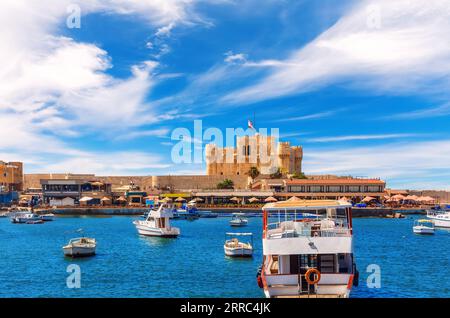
x=262, y=152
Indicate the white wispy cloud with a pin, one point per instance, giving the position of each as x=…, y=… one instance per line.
x=231, y=57
x=309, y=116
x=360, y=137
x=438, y=111
x=393, y=46
x=162, y=132
x=54, y=88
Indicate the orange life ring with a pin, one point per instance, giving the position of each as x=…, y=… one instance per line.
x=308, y=274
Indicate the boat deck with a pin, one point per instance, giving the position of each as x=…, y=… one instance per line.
x=308, y=296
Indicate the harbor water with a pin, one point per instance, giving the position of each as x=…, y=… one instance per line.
x=194, y=265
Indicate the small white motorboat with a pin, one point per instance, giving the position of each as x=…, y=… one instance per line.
x=238, y=220
x=233, y=247
x=80, y=247
x=47, y=217
x=157, y=223
x=25, y=217
x=423, y=226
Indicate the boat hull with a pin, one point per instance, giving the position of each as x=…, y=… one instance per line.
x=77, y=251
x=238, y=252
x=286, y=286
x=441, y=223
x=157, y=232
x=441, y=219
x=423, y=230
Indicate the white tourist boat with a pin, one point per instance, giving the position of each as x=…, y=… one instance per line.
x=440, y=218
x=234, y=247
x=80, y=247
x=423, y=227
x=157, y=223
x=238, y=220
x=308, y=249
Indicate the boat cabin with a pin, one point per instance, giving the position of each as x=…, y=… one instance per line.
x=303, y=235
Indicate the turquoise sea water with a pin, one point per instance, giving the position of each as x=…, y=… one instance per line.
x=194, y=265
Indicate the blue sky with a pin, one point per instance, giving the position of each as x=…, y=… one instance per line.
x=361, y=85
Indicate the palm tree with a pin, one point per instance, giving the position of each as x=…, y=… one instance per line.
x=253, y=172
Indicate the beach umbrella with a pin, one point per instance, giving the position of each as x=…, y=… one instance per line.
x=97, y=183
x=345, y=199
x=270, y=199
x=397, y=197
x=293, y=199
x=104, y=199
x=180, y=199
x=253, y=200
x=166, y=199
x=198, y=200
x=368, y=199
x=122, y=199
x=426, y=199
x=412, y=197
x=235, y=199
x=85, y=199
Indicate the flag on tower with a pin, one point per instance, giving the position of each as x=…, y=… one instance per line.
x=250, y=124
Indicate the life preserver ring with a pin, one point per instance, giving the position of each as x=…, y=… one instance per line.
x=310, y=272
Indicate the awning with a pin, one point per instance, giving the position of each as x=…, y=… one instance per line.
x=176, y=195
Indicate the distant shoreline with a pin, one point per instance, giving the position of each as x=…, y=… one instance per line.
x=93, y=211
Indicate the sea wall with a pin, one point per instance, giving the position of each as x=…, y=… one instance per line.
x=146, y=183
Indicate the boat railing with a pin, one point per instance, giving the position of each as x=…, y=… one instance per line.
x=297, y=229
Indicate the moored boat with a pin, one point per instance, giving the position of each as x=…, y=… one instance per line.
x=440, y=218
x=423, y=226
x=309, y=254
x=25, y=217
x=234, y=247
x=157, y=223
x=238, y=220
x=80, y=247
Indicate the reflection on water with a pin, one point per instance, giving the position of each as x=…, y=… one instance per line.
x=154, y=241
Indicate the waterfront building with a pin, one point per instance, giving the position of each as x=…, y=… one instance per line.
x=352, y=188
x=262, y=152
x=11, y=176
x=317, y=187
x=68, y=192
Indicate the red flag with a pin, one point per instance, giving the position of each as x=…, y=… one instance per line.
x=250, y=124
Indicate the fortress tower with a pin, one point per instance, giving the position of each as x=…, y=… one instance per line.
x=253, y=151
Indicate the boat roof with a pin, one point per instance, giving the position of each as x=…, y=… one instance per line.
x=239, y=234
x=424, y=221
x=306, y=205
